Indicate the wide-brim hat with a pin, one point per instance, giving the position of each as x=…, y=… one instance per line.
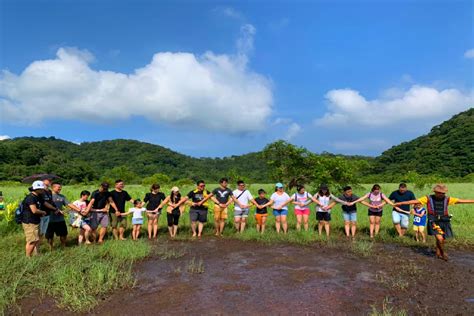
x=440, y=188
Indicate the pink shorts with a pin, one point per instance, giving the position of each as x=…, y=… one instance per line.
x=305, y=211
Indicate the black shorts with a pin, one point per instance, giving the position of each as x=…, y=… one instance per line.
x=198, y=215
x=173, y=217
x=372, y=213
x=442, y=228
x=323, y=216
x=58, y=228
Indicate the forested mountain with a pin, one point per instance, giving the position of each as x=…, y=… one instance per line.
x=133, y=159
x=447, y=150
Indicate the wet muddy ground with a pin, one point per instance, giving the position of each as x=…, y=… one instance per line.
x=231, y=277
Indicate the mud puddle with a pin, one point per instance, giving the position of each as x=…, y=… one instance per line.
x=231, y=277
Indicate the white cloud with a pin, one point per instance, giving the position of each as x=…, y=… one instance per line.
x=231, y=12
x=293, y=130
x=469, y=53
x=216, y=92
x=417, y=104
x=4, y=137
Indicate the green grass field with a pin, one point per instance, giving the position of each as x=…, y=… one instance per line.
x=78, y=276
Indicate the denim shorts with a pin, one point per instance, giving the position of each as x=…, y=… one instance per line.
x=43, y=226
x=137, y=221
x=350, y=217
x=280, y=212
x=399, y=218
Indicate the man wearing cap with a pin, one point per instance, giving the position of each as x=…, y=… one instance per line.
x=98, y=205
x=57, y=224
x=439, y=220
x=400, y=220
x=120, y=197
x=31, y=217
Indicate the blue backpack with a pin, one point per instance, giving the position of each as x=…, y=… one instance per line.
x=19, y=213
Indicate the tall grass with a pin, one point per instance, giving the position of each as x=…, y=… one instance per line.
x=75, y=277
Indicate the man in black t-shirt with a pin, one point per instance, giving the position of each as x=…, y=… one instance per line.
x=31, y=217
x=199, y=206
x=401, y=220
x=98, y=206
x=120, y=197
x=222, y=197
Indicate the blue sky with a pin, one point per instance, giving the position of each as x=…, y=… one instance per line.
x=219, y=78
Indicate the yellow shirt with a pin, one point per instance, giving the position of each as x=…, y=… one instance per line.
x=424, y=200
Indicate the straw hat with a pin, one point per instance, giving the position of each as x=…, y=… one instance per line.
x=440, y=188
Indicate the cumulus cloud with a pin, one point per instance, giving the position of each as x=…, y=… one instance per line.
x=216, y=92
x=293, y=130
x=469, y=53
x=347, y=107
x=4, y=137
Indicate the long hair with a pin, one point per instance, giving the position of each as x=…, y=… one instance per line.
x=175, y=196
x=375, y=187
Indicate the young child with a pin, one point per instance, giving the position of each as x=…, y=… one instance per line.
x=419, y=222
x=261, y=211
x=137, y=218
x=81, y=219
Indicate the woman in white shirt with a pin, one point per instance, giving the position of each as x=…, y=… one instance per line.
x=301, y=199
x=279, y=201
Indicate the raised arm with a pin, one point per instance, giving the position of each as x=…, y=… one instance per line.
x=359, y=200
x=411, y=202
x=464, y=201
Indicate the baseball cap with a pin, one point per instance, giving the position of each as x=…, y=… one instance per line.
x=279, y=185
x=38, y=184
x=174, y=189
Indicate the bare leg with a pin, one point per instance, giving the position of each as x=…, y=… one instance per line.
x=284, y=224
x=50, y=243
x=221, y=226
x=193, y=228
x=150, y=226
x=200, y=228
x=262, y=228
x=377, y=225
x=242, y=224
x=298, y=222
x=121, y=232
x=353, y=229
x=277, y=223
x=306, y=222
x=320, y=228
x=155, y=226
x=347, y=228
x=372, y=225
x=327, y=227
x=237, y=223
x=63, y=240
x=102, y=232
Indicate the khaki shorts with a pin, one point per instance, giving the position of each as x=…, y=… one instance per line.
x=118, y=221
x=419, y=228
x=220, y=213
x=31, y=232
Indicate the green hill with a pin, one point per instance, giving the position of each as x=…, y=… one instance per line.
x=95, y=160
x=447, y=150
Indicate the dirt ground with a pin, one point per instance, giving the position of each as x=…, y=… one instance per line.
x=232, y=277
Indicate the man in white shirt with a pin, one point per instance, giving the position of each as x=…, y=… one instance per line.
x=241, y=209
